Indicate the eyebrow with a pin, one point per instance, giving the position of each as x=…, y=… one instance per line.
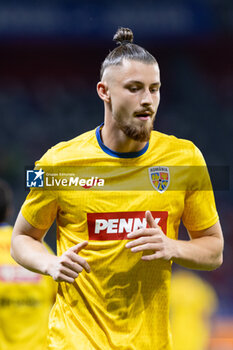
x=140, y=82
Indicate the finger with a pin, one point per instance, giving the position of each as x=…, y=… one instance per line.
x=73, y=266
x=143, y=240
x=142, y=232
x=78, y=247
x=63, y=278
x=77, y=259
x=155, y=256
x=69, y=272
x=135, y=242
x=150, y=220
x=146, y=246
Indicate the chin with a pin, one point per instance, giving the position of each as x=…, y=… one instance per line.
x=138, y=133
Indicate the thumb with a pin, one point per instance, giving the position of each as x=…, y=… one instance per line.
x=150, y=220
x=78, y=247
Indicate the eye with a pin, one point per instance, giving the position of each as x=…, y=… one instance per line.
x=154, y=89
x=133, y=88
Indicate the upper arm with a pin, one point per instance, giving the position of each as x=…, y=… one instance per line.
x=23, y=227
x=27, y=247
x=213, y=231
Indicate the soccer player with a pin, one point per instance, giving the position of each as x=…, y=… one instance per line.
x=26, y=297
x=115, y=248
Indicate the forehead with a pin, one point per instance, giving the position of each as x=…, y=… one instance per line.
x=131, y=70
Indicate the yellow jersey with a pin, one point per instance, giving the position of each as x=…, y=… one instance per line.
x=26, y=299
x=193, y=302
x=123, y=304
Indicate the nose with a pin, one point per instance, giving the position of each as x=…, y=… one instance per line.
x=147, y=98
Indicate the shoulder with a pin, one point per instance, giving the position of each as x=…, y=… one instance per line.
x=171, y=140
x=176, y=149
x=72, y=144
x=67, y=150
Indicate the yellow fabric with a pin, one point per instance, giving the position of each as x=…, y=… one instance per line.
x=124, y=302
x=193, y=301
x=26, y=299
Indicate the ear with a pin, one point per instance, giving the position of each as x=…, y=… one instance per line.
x=103, y=91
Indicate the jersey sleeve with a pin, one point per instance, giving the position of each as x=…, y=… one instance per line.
x=199, y=208
x=40, y=206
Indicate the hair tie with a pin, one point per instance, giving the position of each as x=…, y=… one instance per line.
x=125, y=42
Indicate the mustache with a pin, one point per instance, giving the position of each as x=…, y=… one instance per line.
x=147, y=110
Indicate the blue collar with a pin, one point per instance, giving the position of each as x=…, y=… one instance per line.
x=118, y=154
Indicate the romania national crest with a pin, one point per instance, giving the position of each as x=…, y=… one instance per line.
x=159, y=178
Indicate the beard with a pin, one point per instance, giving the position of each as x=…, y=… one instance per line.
x=138, y=132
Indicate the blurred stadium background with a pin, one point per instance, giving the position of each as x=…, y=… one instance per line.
x=51, y=52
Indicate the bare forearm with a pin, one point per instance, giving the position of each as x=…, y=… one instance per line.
x=204, y=253
x=31, y=253
x=28, y=250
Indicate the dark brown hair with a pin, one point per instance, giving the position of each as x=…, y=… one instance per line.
x=126, y=50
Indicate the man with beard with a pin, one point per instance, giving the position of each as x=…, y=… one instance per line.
x=116, y=245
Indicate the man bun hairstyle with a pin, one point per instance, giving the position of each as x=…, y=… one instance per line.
x=123, y=36
x=126, y=49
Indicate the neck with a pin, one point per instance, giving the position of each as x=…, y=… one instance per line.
x=117, y=141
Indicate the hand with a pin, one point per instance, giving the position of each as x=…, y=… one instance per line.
x=151, y=238
x=67, y=267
